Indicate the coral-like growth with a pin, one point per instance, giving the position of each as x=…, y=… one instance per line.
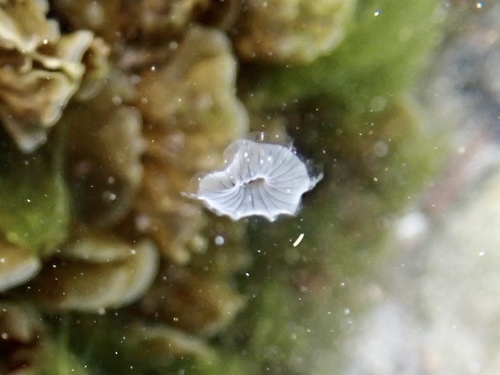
x=124, y=273
x=191, y=114
x=291, y=31
x=40, y=70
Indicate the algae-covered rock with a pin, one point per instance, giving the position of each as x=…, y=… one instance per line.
x=40, y=70
x=114, y=344
x=102, y=17
x=154, y=19
x=291, y=31
x=142, y=32
x=17, y=265
x=385, y=47
x=34, y=216
x=190, y=105
x=26, y=347
x=145, y=20
x=21, y=341
x=96, y=272
x=194, y=303
x=104, y=150
x=201, y=296
x=191, y=114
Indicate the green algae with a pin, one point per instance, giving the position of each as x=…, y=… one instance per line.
x=385, y=48
x=57, y=359
x=304, y=295
x=114, y=344
x=34, y=202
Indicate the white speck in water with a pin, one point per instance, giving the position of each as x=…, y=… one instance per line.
x=378, y=104
x=219, y=240
x=298, y=240
x=109, y=196
x=101, y=311
x=95, y=14
x=380, y=149
x=116, y=100
x=377, y=12
x=482, y=253
x=347, y=311
x=249, y=187
x=411, y=226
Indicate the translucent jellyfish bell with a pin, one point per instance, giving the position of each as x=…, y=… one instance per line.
x=261, y=179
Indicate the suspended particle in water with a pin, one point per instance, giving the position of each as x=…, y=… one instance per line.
x=260, y=179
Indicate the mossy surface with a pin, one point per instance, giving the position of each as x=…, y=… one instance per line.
x=34, y=203
x=384, y=49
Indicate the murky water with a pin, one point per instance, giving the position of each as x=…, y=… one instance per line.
x=109, y=111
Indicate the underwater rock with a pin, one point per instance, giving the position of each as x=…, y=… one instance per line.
x=153, y=19
x=364, y=67
x=17, y=265
x=26, y=347
x=39, y=70
x=191, y=301
x=284, y=31
x=102, y=16
x=163, y=341
x=202, y=296
x=33, y=216
x=146, y=20
x=190, y=107
x=21, y=341
x=221, y=15
x=97, y=69
x=104, y=149
x=140, y=347
x=83, y=278
x=151, y=30
x=191, y=113
x=142, y=32
x=160, y=213
x=226, y=254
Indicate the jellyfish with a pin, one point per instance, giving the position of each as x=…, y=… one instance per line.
x=260, y=179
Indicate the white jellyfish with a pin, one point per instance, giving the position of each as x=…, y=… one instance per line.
x=260, y=179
